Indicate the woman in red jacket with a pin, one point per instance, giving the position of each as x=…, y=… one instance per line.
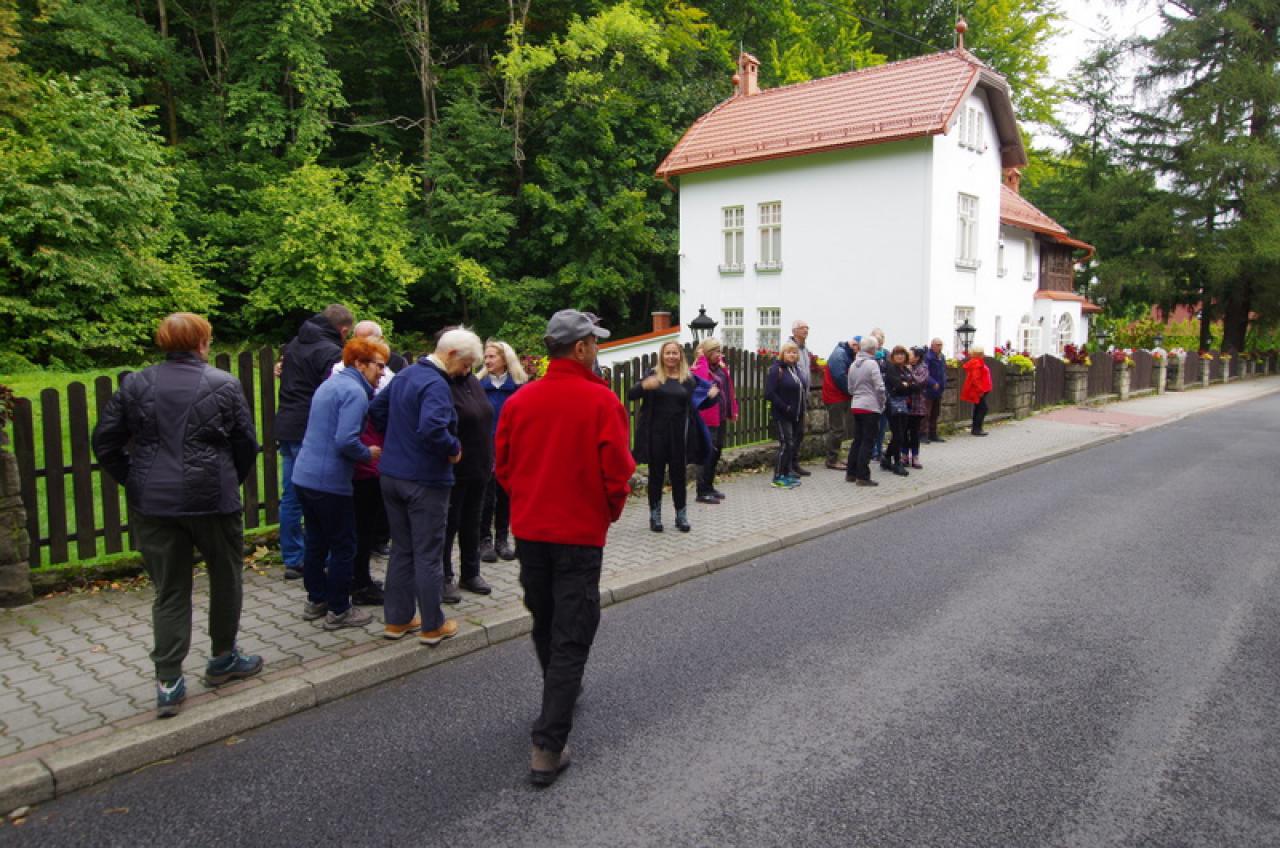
x=977, y=383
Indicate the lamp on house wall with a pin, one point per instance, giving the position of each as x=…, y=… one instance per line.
x=965, y=331
x=702, y=327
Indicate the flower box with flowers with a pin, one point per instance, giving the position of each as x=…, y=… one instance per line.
x=1122, y=356
x=1075, y=355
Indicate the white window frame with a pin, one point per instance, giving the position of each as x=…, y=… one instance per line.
x=769, y=328
x=1064, y=333
x=1029, y=260
x=731, y=326
x=973, y=129
x=770, y=236
x=733, y=221
x=1029, y=336
x=967, y=231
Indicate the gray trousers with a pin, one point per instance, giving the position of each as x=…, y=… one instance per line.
x=417, y=516
x=167, y=545
x=839, y=428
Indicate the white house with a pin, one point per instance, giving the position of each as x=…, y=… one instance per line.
x=873, y=198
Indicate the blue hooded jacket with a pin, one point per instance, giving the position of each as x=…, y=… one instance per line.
x=416, y=412
x=838, y=364
x=331, y=446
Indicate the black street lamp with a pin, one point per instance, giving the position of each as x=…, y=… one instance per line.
x=965, y=331
x=702, y=327
x=1103, y=335
x=1158, y=341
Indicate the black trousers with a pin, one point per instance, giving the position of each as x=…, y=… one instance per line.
x=562, y=592
x=935, y=409
x=866, y=432
x=707, y=477
x=371, y=528
x=495, y=517
x=788, y=444
x=667, y=457
x=897, y=437
x=465, y=503
x=979, y=415
x=913, y=434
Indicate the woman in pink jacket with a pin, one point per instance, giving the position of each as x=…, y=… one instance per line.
x=711, y=367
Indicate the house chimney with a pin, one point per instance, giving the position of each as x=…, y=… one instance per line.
x=1013, y=179
x=745, y=79
x=661, y=321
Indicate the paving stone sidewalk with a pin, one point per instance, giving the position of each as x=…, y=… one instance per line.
x=75, y=668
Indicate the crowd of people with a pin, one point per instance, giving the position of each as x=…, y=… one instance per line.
x=459, y=446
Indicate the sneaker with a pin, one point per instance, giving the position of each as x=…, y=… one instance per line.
x=353, y=617
x=707, y=498
x=800, y=472
x=781, y=483
x=867, y=482
x=487, y=551
x=719, y=494
x=449, y=593
x=792, y=479
x=545, y=766
x=399, y=631
x=505, y=551
x=169, y=697
x=369, y=596
x=292, y=573
x=476, y=585
x=310, y=611
x=434, y=637
x=232, y=665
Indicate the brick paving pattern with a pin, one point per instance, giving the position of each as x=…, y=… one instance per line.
x=77, y=666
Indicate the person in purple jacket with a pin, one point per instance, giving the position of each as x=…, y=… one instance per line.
x=711, y=366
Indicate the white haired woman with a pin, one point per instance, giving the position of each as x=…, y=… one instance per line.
x=417, y=414
x=501, y=377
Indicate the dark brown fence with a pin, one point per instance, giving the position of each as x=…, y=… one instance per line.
x=1191, y=365
x=995, y=399
x=1236, y=365
x=1215, y=369
x=1051, y=381
x=1141, y=378
x=1101, y=375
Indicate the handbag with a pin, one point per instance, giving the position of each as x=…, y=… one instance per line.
x=897, y=405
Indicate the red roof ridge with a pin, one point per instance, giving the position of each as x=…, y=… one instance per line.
x=653, y=334
x=869, y=69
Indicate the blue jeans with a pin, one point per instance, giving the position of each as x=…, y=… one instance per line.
x=292, y=545
x=331, y=547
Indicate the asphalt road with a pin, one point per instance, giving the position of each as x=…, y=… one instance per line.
x=1086, y=653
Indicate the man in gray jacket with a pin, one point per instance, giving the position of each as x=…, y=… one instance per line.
x=867, y=396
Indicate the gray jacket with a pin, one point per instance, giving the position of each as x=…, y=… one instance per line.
x=866, y=383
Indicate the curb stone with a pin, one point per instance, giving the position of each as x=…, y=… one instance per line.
x=68, y=769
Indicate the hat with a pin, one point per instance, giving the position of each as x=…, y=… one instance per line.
x=857, y=338
x=569, y=325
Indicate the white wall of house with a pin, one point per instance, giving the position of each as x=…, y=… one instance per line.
x=1011, y=297
x=855, y=244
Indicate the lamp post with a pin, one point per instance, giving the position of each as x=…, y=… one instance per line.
x=1158, y=341
x=702, y=327
x=1103, y=335
x=965, y=331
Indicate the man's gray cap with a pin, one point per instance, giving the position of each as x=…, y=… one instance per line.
x=569, y=325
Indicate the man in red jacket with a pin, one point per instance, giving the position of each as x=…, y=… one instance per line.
x=563, y=456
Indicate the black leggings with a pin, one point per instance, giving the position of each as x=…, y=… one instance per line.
x=979, y=415
x=667, y=458
x=897, y=437
x=788, y=443
x=914, y=423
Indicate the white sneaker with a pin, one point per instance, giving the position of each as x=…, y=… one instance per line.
x=353, y=617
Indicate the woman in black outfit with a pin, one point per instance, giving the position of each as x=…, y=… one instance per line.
x=784, y=389
x=470, y=477
x=669, y=433
x=898, y=386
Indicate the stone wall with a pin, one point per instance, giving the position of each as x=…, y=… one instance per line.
x=15, y=573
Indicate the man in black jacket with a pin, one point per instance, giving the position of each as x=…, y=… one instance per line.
x=308, y=359
x=179, y=437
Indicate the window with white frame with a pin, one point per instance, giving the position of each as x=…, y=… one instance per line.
x=1001, y=270
x=734, y=239
x=967, y=231
x=769, y=328
x=1065, y=335
x=973, y=129
x=770, y=237
x=731, y=327
x=1028, y=336
x=1028, y=259
x=963, y=314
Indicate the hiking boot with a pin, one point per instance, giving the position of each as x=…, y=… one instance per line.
x=169, y=697
x=352, y=617
x=545, y=766
x=310, y=611
x=399, y=631
x=232, y=665
x=504, y=549
x=682, y=521
x=368, y=596
x=655, y=519
x=900, y=471
x=707, y=498
x=434, y=637
x=866, y=482
x=449, y=593
x=487, y=552
x=477, y=585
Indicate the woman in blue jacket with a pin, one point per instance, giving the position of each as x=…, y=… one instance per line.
x=322, y=476
x=501, y=377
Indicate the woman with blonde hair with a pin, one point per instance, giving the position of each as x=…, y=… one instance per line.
x=785, y=390
x=668, y=434
x=501, y=377
x=711, y=366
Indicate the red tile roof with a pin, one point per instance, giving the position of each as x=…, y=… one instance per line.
x=1017, y=211
x=1086, y=306
x=654, y=334
x=913, y=98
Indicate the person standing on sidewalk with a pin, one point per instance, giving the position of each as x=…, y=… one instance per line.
x=898, y=387
x=322, y=480
x=710, y=366
x=867, y=397
x=179, y=437
x=977, y=384
x=417, y=414
x=804, y=366
x=835, y=379
x=918, y=407
x=784, y=389
x=470, y=478
x=563, y=456
x=937, y=365
x=501, y=377
x=307, y=362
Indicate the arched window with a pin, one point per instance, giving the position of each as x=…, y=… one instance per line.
x=1066, y=333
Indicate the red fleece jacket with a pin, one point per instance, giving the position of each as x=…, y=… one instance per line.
x=563, y=455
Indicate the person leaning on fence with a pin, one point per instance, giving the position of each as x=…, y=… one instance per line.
x=322, y=479
x=977, y=384
x=867, y=400
x=784, y=389
x=562, y=454
x=711, y=366
x=937, y=364
x=417, y=415
x=306, y=362
x=501, y=377
x=835, y=379
x=180, y=438
x=669, y=432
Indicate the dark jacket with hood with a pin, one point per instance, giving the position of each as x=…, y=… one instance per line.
x=308, y=359
x=179, y=437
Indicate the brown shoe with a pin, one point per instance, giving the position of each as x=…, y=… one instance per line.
x=545, y=766
x=837, y=466
x=445, y=631
x=399, y=631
